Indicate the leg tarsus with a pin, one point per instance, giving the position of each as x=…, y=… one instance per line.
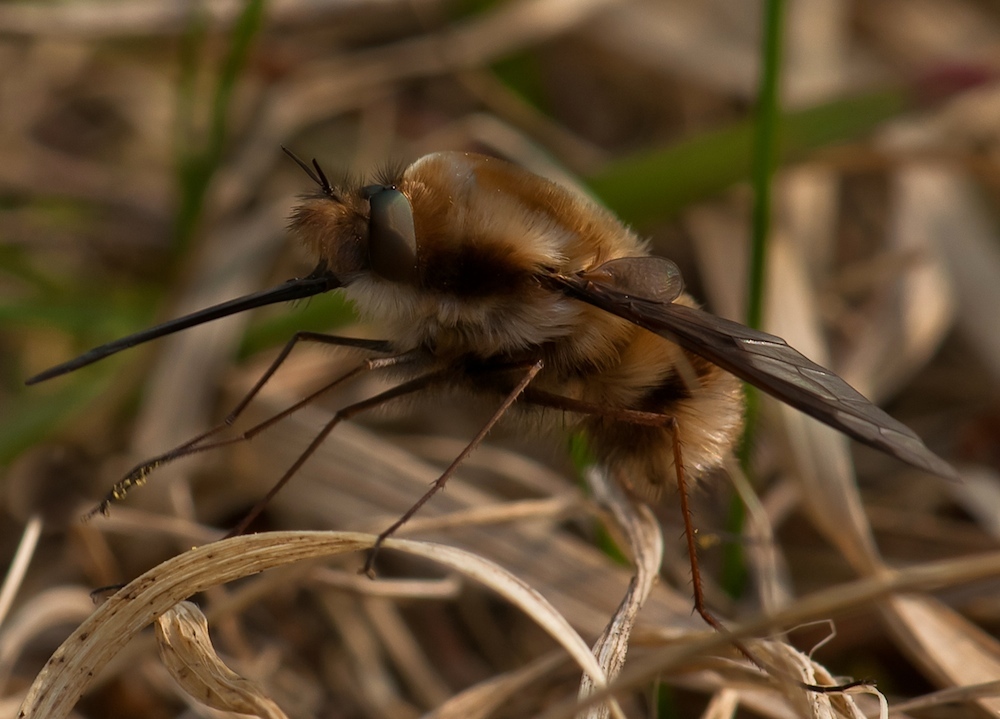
x=138, y=474
x=699, y=593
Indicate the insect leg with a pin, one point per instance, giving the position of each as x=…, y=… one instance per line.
x=699, y=594
x=568, y=404
x=669, y=423
x=689, y=532
x=533, y=369
x=319, y=338
x=414, y=385
x=138, y=474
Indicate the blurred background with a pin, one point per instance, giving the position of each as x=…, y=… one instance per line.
x=141, y=177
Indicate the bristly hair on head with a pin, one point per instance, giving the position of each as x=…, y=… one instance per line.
x=390, y=173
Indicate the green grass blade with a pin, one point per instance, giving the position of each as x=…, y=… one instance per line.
x=660, y=183
x=197, y=167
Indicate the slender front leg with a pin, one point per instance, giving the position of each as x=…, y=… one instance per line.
x=138, y=475
x=414, y=385
x=533, y=369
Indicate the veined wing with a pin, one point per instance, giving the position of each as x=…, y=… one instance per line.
x=762, y=359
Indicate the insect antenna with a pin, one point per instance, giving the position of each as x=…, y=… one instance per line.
x=315, y=172
x=324, y=183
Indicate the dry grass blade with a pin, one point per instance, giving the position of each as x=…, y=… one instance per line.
x=967, y=238
x=584, y=584
x=142, y=176
x=48, y=610
x=446, y=588
x=947, y=645
x=161, y=17
x=187, y=652
x=782, y=696
x=949, y=696
x=379, y=691
x=723, y=705
x=515, y=590
x=645, y=543
x=408, y=658
x=821, y=457
x=71, y=668
x=19, y=566
x=795, y=664
x=939, y=639
x=347, y=82
x=483, y=699
x=763, y=554
x=68, y=673
x=923, y=578
x=917, y=308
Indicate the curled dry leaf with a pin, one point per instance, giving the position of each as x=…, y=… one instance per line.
x=796, y=665
x=70, y=670
x=187, y=652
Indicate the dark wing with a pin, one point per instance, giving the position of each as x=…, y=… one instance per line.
x=318, y=281
x=765, y=361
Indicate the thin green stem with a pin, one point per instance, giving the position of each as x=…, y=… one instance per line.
x=765, y=156
x=196, y=167
x=765, y=153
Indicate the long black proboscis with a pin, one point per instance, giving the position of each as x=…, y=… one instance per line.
x=317, y=282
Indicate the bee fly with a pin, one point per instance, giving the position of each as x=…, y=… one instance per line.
x=495, y=281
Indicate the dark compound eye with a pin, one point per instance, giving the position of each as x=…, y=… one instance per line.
x=392, y=239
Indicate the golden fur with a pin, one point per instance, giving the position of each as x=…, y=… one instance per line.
x=486, y=230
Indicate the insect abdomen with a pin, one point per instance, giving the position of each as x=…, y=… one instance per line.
x=654, y=375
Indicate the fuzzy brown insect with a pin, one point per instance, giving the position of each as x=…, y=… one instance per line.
x=497, y=282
